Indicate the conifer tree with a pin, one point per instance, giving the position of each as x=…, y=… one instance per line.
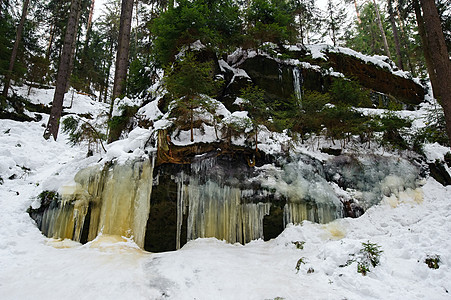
x=15, y=48
x=123, y=49
x=63, y=72
x=441, y=64
x=188, y=82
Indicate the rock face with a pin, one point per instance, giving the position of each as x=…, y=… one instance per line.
x=298, y=71
x=236, y=193
x=235, y=196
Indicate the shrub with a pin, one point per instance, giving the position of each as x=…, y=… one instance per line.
x=433, y=261
x=433, y=132
x=299, y=244
x=349, y=92
x=392, y=127
x=369, y=256
x=83, y=133
x=300, y=262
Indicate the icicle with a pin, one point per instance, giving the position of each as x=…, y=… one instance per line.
x=216, y=211
x=297, y=83
x=295, y=213
x=181, y=208
x=119, y=197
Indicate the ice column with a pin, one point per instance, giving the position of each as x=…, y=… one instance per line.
x=118, y=197
x=297, y=83
x=218, y=211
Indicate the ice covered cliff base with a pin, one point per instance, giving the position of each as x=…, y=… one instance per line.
x=222, y=196
x=113, y=200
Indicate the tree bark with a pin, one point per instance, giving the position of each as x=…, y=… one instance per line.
x=395, y=35
x=63, y=72
x=357, y=12
x=123, y=49
x=440, y=58
x=426, y=48
x=381, y=28
x=74, y=47
x=12, y=61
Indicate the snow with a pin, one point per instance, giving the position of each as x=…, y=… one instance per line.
x=111, y=267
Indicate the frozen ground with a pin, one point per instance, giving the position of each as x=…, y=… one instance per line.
x=35, y=267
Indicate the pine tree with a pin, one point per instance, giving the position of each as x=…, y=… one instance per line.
x=122, y=56
x=395, y=35
x=334, y=21
x=15, y=48
x=63, y=72
x=188, y=82
x=441, y=65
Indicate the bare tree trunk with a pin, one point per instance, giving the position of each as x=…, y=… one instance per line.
x=440, y=59
x=63, y=72
x=123, y=49
x=357, y=12
x=395, y=35
x=74, y=48
x=107, y=78
x=91, y=13
x=49, y=47
x=12, y=61
x=426, y=48
x=381, y=28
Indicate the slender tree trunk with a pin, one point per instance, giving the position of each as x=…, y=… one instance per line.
x=63, y=72
x=87, y=77
x=440, y=59
x=49, y=47
x=395, y=35
x=91, y=13
x=357, y=12
x=122, y=56
x=426, y=48
x=123, y=48
x=404, y=39
x=381, y=28
x=74, y=48
x=107, y=78
x=12, y=61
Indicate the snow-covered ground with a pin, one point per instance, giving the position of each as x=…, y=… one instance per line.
x=35, y=267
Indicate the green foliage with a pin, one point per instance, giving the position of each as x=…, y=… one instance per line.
x=309, y=118
x=270, y=21
x=335, y=21
x=215, y=23
x=368, y=257
x=371, y=253
x=254, y=103
x=117, y=124
x=433, y=261
x=433, y=132
x=83, y=133
x=349, y=92
x=189, y=78
x=188, y=82
x=392, y=127
x=366, y=37
x=299, y=244
x=46, y=197
x=299, y=263
x=139, y=78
